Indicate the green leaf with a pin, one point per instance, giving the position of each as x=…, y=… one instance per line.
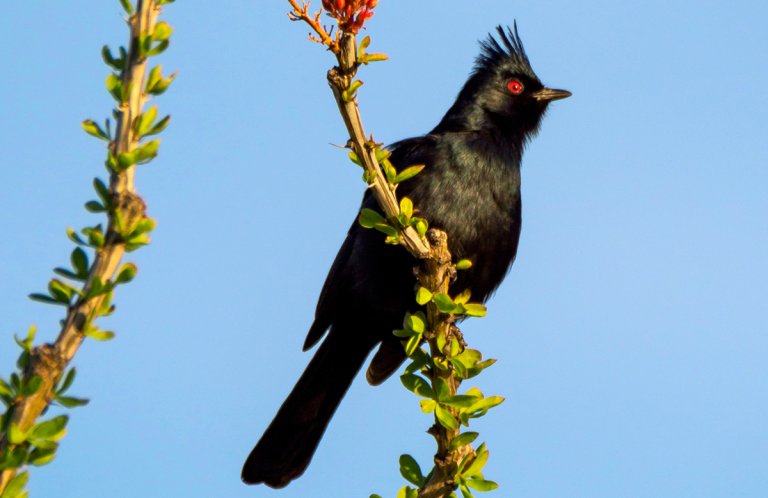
x=16, y=486
x=408, y=173
x=460, y=369
x=44, y=298
x=418, y=361
x=370, y=218
x=405, y=492
x=22, y=363
x=466, y=493
x=469, y=357
x=410, y=470
x=159, y=126
x=92, y=128
x=44, y=445
x=127, y=6
x=42, y=456
x=389, y=171
x=32, y=385
x=115, y=87
x=155, y=75
x=15, y=434
x=403, y=333
x=97, y=334
x=349, y=94
x=464, y=264
x=147, y=152
x=50, y=430
x=79, y=260
x=74, y=237
x=416, y=384
x=161, y=85
x=95, y=236
x=125, y=160
x=145, y=225
x=462, y=440
x=463, y=297
x=374, y=58
x=354, y=158
x=126, y=273
x=63, y=272
x=105, y=307
x=441, y=341
x=98, y=288
x=13, y=459
x=387, y=229
x=486, y=404
x=5, y=389
x=115, y=63
x=423, y=296
x=111, y=163
x=415, y=322
x=157, y=49
x=382, y=154
x=369, y=176
x=481, y=484
x=475, y=309
x=428, y=405
x=69, y=378
x=71, y=402
x=94, y=207
x=477, y=465
x=60, y=291
x=456, y=347
x=143, y=123
x=441, y=389
x=406, y=211
x=375, y=496
x=102, y=191
x=162, y=31
x=26, y=343
x=364, y=45
x=421, y=227
x=15, y=382
x=460, y=401
x=444, y=303
x=445, y=418
x=136, y=242
x=412, y=344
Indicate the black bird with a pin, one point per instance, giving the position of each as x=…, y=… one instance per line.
x=470, y=188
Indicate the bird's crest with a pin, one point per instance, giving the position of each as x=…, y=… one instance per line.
x=504, y=53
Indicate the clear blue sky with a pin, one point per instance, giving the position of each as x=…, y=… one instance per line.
x=631, y=333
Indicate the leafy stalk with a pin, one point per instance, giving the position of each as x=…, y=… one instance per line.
x=433, y=375
x=87, y=287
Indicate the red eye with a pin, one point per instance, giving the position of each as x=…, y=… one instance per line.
x=515, y=87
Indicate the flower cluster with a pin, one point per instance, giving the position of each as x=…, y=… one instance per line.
x=350, y=14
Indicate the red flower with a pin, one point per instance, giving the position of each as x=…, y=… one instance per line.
x=350, y=14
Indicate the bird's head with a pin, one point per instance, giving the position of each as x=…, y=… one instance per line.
x=502, y=93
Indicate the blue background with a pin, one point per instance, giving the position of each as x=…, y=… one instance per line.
x=631, y=332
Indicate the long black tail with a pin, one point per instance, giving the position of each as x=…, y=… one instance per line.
x=286, y=448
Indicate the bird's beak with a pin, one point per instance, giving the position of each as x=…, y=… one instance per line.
x=550, y=94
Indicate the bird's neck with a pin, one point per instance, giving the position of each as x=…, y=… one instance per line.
x=499, y=132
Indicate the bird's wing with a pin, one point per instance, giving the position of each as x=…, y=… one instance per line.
x=335, y=286
x=343, y=284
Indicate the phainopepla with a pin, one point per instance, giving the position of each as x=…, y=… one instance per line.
x=470, y=188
